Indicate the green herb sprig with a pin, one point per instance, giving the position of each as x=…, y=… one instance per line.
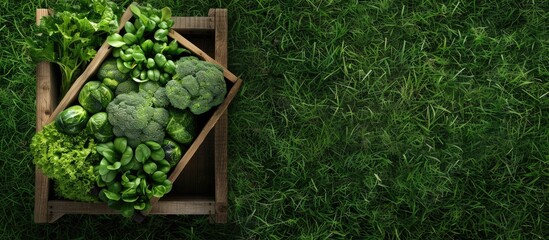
x=70, y=39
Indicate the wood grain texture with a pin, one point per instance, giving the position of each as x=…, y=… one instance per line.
x=221, y=128
x=46, y=95
x=193, y=206
x=193, y=25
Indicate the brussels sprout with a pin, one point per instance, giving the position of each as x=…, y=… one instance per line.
x=72, y=120
x=99, y=126
x=95, y=96
x=181, y=126
x=173, y=151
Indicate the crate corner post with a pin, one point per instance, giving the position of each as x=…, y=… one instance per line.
x=46, y=102
x=221, y=129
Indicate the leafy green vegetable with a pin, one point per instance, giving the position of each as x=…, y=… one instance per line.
x=110, y=83
x=99, y=126
x=181, y=126
x=116, y=40
x=172, y=150
x=129, y=181
x=142, y=153
x=68, y=160
x=72, y=120
x=95, y=96
x=71, y=39
x=143, y=49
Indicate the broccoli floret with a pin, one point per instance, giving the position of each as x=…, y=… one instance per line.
x=110, y=70
x=132, y=115
x=157, y=93
x=126, y=87
x=197, y=85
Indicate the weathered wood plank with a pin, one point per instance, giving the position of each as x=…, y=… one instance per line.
x=193, y=206
x=193, y=24
x=221, y=128
x=46, y=100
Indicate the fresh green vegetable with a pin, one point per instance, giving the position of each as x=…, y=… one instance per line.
x=159, y=47
x=127, y=87
x=197, y=85
x=161, y=35
x=130, y=178
x=110, y=83
x=181, y=126
x=133, y=116
x=143, y=50
x=156, y=92
x=72, y=120
x=109, y=69
x=71, y=39
x=169, y=67
x=160, y=60
x=130, y=38
x=151, y=17
x=99, y=126
x=147, y=46
x=116, y=40
x=95, y=96
x=172, y=150
x=68, y=160
x=129, y=27
x=150, y=63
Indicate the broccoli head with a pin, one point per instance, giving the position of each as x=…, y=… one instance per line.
x=110, y=70
x=197, y=85
x=126, y=87
x=156, y=92
x=132, y=115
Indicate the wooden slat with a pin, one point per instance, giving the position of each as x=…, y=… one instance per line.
x=195, y=207
x=193, y=24
x=192, y=206
x=221, y=128
x=46, y=96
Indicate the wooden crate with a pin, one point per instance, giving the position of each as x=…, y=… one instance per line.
x=200, y=178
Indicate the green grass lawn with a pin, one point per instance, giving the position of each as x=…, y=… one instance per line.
x=379, y=119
